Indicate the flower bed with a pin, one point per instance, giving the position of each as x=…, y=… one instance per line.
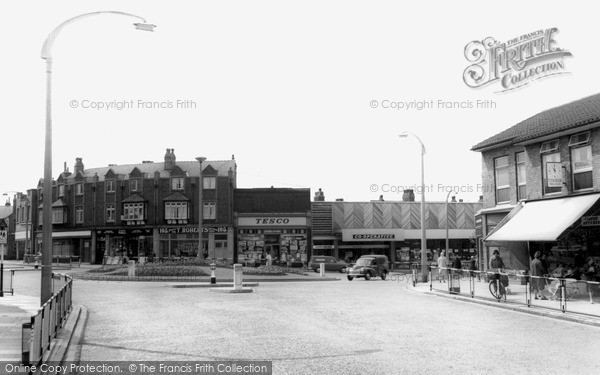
x=268, y=271
x=163, y=270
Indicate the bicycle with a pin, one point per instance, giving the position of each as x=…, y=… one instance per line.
x=501, y=280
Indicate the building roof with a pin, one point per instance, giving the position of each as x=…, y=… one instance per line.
x=568, y=116
x=5, y=211
x=192, y=169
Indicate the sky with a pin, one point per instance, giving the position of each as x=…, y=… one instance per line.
x=304, y=94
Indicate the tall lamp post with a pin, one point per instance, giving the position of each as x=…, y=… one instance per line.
x=447, y=228
x=423, y=230
x=200, y=159
x=46, y=288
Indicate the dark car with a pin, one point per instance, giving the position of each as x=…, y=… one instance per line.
x=369, y=266
x=331, y=264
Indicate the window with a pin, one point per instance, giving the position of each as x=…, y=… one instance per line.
x=552, y=173
x=209, y=211
x=61, y=190
x=579, y=139
x=110, y=213
x=134, y=185
x=79, y=188
x=581, y=159
x=549, y=146
x=176, y=211
x=177, y=183
x=111, y=186
x=58, y=216
x=79, y=215
x=133, y=211
x=209, y=182
x=521, y=176
x=502, y=180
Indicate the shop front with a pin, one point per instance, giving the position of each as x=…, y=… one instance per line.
x=75, y=244
x=566, y=231
x=284, y=238
x=182, y=242
x=132, y=243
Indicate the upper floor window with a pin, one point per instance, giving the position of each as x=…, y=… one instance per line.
x=79, y=215
x=581, y=159
x=79, y=188
x=521, y=176
x=176, y=211
x=551, y=173
x=111, y=186
x=110, y=213
x=579, y=139
x=134, y=185
x=209, y=182
x=209, y=210
x=177, y=183
x=549, y=146
x=133, y=211
x=502, y=179
x=61, y=190
x=58, y=216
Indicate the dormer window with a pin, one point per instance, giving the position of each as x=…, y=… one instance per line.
x=209, y=182
x=61, y=190
x=177, y=183
x=79, y=188
x=134, y=185
x=111, y=186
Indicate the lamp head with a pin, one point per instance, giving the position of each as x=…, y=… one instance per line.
x=200, y=158
x=144, y=26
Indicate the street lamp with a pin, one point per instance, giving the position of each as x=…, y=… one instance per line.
x=423, y=231
x=46, y=288
x=447, y=230
x=200, y=208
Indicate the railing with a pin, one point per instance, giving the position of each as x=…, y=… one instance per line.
x=45, y=325
x=555, y=293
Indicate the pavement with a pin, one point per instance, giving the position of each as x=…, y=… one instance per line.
x=578, y=309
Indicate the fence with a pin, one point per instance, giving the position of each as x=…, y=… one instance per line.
x=45, y=325
x=563, y=294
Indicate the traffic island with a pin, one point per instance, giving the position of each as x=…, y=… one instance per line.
x=238, y=282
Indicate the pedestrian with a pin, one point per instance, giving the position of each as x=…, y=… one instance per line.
x=269, y=258
x=497, y=265
x=473, y=267
x=442, y=263
x=537, y=269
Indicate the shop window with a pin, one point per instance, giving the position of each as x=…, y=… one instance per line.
x=110, y=213
x=111, y=186
x=134, y=185
x=176, y=211
x=79, y=215
x=79, y=188
x=133, y=211
x=581, y=159
x=551, y=173
x=209, y=182
x=209, y=210
x=521, y=176
x=177, y=183
x=502, y=180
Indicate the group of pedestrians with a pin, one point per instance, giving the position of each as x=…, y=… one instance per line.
x=442, y=263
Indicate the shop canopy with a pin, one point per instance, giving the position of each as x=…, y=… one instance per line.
x=542, y=220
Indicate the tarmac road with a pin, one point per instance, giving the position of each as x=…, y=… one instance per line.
x=343, y=327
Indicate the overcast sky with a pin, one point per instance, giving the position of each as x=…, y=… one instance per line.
x=288, y=87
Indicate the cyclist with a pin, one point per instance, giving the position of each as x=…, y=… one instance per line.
x=496, y=263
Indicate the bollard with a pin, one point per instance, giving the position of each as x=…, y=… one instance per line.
x=131, y=268
x=238, y=277
x=213, y=278
x=25, y=344
x=322, y=270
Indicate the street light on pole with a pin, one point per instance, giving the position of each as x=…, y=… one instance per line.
x=46, y=287
x=200, y=159
x=447, y=230
x=423, y=231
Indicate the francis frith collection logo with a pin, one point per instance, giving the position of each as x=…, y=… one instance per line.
x=514, y=63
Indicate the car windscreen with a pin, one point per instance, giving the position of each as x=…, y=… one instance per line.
x=364, y=262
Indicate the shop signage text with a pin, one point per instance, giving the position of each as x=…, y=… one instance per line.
x=184, y=230
x=373, y=236
x=271, y=221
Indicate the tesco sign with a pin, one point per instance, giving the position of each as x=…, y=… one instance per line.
x=272, y=221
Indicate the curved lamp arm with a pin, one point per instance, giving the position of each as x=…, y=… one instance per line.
x=47, y=47
x=406, y=133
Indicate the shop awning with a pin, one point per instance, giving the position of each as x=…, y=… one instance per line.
x=542, y=220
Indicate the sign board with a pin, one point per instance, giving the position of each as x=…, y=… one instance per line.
x=372, y=235
x=3, y=236
x=554, y=174
x=272, y=221
x=590, y=221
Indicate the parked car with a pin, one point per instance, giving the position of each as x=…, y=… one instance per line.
x=369, y=266
x=331, y=264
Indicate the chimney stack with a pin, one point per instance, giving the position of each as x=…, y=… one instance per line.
x=408, y=195
x=169, y=159
x=78, y=166
x=319, y=196
x=453, y=199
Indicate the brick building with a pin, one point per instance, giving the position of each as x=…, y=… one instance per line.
x=541, y=187
x=142, y=210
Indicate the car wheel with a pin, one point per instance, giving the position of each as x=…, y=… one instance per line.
x=383, y=275
x=350, y=278
x=316, y=270
x=343, y=270
x=368, y=276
